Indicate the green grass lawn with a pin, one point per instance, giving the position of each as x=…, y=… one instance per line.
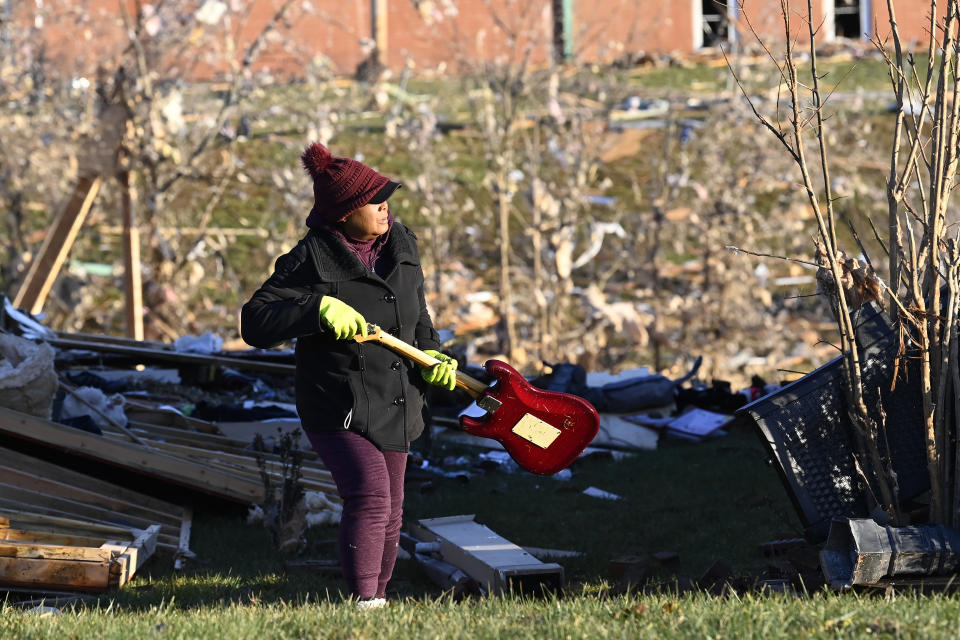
x=710, y=501
x=821, y=615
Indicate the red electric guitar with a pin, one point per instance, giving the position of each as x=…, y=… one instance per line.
x=544, y=431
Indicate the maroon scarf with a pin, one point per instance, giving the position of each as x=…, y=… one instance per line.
x=367, y=251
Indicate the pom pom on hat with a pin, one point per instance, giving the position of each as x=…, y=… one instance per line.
x=316, y=158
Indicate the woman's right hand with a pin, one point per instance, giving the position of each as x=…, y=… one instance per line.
x=442, y=374
x=342, y=319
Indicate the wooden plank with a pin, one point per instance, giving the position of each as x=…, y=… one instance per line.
x=213, y=444
x=131, y=456
x=42, y=486
x=227, y=444
x=139, y=414
x=110, y=493
x=49, y=519
x=26, y=520
x=41, y=537
x=263, y=355
x=168, y=433
x=238, y=463
x=46, y=265
x=133, y=286
x=10, y=492
x=379, y=28
x=16, y=549
x=147, y=356
x=55, y=574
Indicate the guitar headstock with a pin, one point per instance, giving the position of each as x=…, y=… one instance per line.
x=373, y=333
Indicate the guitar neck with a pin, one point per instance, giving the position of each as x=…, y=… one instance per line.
x=471, y=385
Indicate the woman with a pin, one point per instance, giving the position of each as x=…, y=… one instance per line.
x=359, y=403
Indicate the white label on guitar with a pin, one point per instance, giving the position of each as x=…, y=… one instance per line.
x=536, y=431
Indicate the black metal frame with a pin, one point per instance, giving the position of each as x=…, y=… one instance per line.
x=807, y=430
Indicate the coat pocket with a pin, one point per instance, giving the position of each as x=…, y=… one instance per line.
x=358, y=419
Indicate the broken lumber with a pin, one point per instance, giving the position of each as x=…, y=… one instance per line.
x=132, y=457
x=57, y=242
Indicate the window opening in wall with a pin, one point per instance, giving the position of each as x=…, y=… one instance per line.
x=714, y=22
x=557, y=10
x=846, y=19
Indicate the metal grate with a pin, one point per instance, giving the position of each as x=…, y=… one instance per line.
x=810, y=437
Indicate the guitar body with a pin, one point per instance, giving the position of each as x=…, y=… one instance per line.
x=543, y=431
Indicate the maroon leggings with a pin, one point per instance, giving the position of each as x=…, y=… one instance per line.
x=370, y=483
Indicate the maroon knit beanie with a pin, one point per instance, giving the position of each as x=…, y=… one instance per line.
x=340, y=185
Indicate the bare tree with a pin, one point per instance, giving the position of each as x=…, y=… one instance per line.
x=922, y=249
x=806, y=119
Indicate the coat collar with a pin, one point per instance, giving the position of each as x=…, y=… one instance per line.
x=334, y=261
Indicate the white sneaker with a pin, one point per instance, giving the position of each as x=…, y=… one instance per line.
x=371, y=603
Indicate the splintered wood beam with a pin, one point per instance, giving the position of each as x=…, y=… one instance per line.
x=46, y=265
x=132, y=457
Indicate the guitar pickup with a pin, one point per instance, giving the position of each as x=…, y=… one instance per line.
x=488, y=403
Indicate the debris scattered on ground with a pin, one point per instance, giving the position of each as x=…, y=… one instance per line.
x=594, y=492
x=77, y=398
x=190, y=416
x=495, y=564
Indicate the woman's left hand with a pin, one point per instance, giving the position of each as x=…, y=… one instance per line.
x=442, y=374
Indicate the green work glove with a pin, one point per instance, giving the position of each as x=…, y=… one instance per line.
x=442, y=374
x=341, y=318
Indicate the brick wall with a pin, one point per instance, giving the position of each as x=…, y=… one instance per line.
x=432, y=34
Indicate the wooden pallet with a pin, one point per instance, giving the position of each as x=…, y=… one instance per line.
x=40, y=559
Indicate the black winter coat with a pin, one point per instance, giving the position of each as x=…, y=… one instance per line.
x=343, y=384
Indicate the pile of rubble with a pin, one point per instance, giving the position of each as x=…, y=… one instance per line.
x=92, y=431
x=108, y=445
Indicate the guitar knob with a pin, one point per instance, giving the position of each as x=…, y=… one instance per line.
x=395, y=365
x=399, y=401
